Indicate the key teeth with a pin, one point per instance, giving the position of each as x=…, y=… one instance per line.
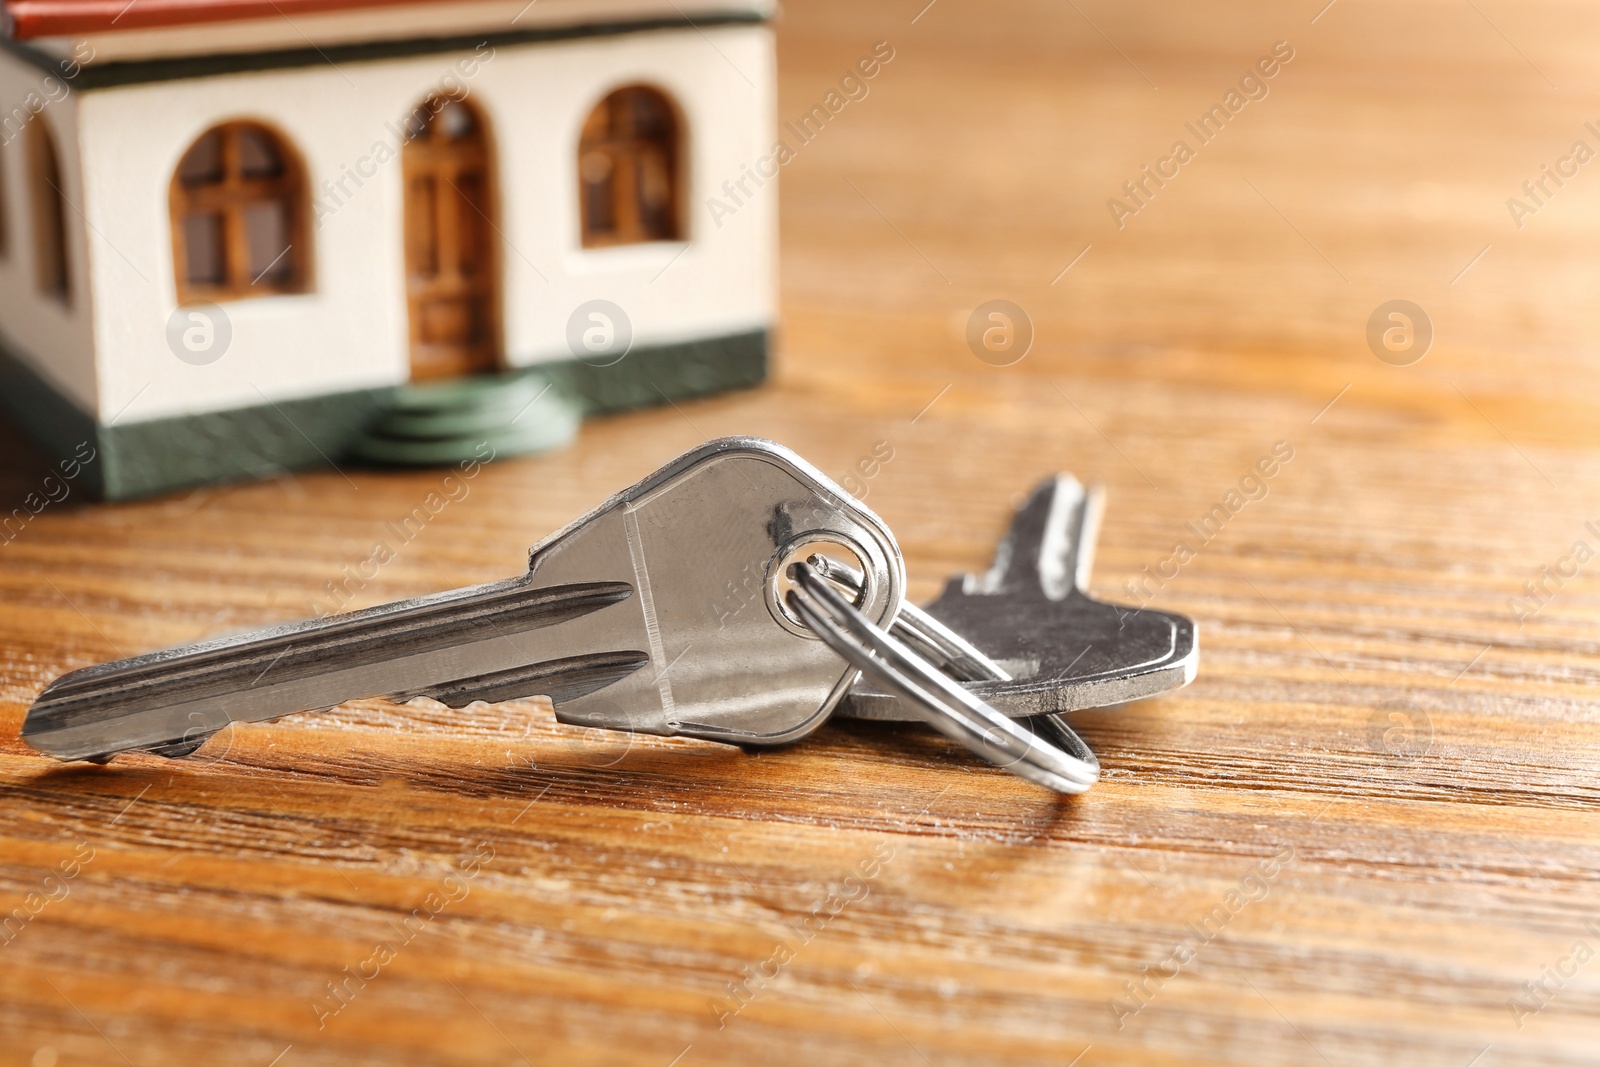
x=180, y=748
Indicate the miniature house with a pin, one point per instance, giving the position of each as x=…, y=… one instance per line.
x=233, y=231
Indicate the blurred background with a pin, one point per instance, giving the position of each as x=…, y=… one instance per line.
x=1223, y=315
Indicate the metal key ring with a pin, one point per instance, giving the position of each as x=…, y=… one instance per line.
x=946, y=706
x=926, y=635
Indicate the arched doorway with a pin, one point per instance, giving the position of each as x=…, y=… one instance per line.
x=452, y=276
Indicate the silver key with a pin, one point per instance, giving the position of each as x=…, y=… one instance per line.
x=1029, y=613
x=616, y=620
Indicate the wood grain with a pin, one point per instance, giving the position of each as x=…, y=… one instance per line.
x=630, y=883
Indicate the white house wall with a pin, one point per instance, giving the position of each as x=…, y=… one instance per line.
x=52, y=338
x=351, y=331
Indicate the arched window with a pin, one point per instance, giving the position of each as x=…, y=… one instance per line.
x=239, y=216
x=628, y=169
x=49, y=214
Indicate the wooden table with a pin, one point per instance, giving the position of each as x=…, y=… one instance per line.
x=1356, y=838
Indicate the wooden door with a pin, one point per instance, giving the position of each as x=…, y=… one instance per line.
x=451, y=276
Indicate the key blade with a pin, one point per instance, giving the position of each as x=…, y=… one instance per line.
x=170, y=698
x=1049, y=547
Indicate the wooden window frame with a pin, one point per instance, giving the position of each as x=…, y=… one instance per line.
x=52, y=261
x=624, y=150
x=229, y=198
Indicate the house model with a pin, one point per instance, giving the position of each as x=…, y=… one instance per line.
x=243, y=236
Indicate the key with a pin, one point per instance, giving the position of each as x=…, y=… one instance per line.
x=661, y=611
x=1029, y=613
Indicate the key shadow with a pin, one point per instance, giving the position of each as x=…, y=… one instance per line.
x=902, y=778
x=917, y=743
x=84, y=794
x=79, y=774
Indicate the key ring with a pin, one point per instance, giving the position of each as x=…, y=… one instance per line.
x=950, y=709
x=926, y=635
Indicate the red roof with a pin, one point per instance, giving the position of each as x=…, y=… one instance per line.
x=65, y=18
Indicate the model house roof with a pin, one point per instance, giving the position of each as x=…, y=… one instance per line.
x=61, y=18
x=319, y=20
